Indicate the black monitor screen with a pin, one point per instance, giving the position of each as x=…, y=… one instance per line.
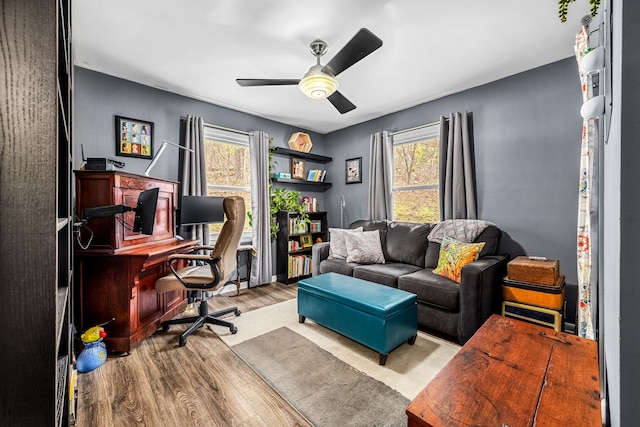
x=201, y=210
x=146, y=211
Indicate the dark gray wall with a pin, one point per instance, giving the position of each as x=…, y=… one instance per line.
x=527, y=144
x=99, y=97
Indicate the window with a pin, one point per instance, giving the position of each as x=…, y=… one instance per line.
x=416, y=175
x=228, y=170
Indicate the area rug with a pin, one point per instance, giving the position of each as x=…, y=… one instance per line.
x=329, y=378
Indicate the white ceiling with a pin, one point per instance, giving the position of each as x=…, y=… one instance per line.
x=431, y=48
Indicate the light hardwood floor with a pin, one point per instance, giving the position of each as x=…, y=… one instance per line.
x=203, y=383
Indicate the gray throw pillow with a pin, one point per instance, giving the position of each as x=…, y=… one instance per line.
x=337, y=244
x=364, y=248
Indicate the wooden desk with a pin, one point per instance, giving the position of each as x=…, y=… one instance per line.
x=116, y=274
x=516, y=374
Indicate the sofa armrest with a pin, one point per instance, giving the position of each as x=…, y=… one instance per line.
x=319, y=252
x=480, y=293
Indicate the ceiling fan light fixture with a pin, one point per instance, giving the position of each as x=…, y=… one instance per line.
x=316, y=84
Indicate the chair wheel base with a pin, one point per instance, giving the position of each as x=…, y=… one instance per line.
x=237, y=312
x=233, y=330
x=182, y=342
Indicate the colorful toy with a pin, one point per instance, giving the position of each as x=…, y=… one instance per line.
x=94, y=353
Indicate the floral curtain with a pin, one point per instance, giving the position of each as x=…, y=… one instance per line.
x=585, y=243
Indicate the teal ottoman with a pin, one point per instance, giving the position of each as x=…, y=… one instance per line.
x=374, y=315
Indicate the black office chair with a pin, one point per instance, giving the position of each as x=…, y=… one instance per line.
x=215, y=273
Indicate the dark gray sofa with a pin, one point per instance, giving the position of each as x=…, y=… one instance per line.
x=456, y=309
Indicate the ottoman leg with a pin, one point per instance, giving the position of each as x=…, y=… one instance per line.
x=301, y=318
x=383, y=358
x=412, y=340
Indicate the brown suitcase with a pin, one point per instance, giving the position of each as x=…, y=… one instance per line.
x=541, y=271
x=539, y=295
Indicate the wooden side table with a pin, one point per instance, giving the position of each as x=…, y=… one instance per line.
x=251, y=251
x=517, y=374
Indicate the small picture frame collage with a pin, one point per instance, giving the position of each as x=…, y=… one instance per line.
x=134, y=138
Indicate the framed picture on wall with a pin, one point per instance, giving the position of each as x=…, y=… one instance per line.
x=134, y=138
x=353, y=170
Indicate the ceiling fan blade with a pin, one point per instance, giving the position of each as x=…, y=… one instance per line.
x=267, y=82
x=361, y=45
x=342, y=104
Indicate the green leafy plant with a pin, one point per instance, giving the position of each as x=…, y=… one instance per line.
x=563, y=8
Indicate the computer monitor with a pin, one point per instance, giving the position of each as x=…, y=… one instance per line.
x=196, y=210
x=146, y=211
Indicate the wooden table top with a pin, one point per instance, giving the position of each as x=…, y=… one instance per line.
x=512, y=373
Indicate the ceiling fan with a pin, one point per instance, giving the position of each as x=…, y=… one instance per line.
x=320, y=81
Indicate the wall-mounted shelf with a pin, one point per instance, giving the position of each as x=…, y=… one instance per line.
x=302, y=184
x=316, y=158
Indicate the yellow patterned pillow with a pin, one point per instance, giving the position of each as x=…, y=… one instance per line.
x=454, y=255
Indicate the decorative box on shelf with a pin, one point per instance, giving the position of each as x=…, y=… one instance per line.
x=300, y=141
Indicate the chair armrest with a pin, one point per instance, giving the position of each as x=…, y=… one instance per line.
x=480, y=293
x=213, y=264
x=189, y=257
x=319, y=252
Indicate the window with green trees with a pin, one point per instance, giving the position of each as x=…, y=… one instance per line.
x=228, y=170
x=416, y=175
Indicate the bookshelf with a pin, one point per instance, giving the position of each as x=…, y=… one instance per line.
x=37, y=128
x=293, y=258
x=302, y=184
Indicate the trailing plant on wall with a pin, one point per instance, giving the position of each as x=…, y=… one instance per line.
x=563, y=8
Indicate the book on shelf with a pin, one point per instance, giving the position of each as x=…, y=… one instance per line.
x=310, y=204
x=297, y=225
x=299, y=265
x=316, y=175
x=315, y=226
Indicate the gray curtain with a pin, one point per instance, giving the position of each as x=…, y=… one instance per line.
x=194, y=173
x=260, y=208
x=380, y=205
x=457, y=177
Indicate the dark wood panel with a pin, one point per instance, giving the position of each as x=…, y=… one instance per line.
x=28, y=181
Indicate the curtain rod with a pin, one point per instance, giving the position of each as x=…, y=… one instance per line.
x=417, y=127
x=222, y=127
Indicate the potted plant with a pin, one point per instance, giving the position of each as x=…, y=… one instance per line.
x=563, y=6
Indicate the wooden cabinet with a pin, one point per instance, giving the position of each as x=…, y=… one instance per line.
x=293, y=259
x=36, y=88
x=116, y=274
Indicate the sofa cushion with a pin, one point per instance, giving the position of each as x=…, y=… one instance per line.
x=491, y=236
x=454, y=255
x=337, y=244
x=407, y=242
x=380, y=225
x=432, y=255
x=364, y=247
x=339, y=266
x=386, y=274
x=432, y=289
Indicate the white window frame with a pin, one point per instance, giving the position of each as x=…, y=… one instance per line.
x=409, y=136
x=227, y=137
